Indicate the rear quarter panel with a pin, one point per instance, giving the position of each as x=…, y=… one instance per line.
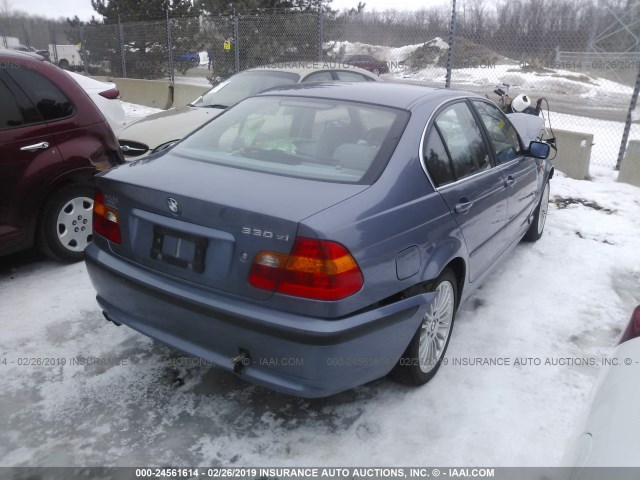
x=401, y=210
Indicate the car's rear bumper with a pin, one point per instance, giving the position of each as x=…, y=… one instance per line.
x=303, y=356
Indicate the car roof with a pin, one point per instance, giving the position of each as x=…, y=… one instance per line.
x=304, y=68
x=398, y=95
x=89, y=83
x=19, y=55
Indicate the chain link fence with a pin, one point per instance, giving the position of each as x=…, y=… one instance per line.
x=584, y=60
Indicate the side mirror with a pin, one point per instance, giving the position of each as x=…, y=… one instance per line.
x=539, y=150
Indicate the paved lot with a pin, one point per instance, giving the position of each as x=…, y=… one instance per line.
x=561, y=301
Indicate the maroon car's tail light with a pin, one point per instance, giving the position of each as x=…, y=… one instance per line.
x=316, y=269
x=105, y=219
x=633, y=329
x=112, y=94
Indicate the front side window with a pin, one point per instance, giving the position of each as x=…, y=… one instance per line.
x=51, y=103
x=502, y=134
x=462, y=137
x=301, y=137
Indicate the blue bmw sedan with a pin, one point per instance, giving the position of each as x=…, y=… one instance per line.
x=315, y=238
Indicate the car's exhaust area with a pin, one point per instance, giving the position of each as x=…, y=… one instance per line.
x=241, y=361
x=110, y=320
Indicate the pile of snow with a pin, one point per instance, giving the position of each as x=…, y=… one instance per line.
x=393, y=55
x=545, y=81
x=558, y=82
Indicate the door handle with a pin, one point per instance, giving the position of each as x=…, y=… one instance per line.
x=510, y=181
x=463, y=206
x=35, y=146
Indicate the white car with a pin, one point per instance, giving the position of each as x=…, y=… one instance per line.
x=607, y=436
x=106, y=96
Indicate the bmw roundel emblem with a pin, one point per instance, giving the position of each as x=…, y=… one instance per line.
x=173, y=205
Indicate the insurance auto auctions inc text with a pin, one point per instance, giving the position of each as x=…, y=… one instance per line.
x=374, y=472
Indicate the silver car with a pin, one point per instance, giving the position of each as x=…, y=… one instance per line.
x=162, y=130
x=607, y=433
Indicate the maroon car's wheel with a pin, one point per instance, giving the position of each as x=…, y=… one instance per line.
x=66, y=223
x=425, y=353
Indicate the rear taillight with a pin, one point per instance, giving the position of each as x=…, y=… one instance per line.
x=317, y=269
x=105, y=219
x=633, y=329
x=111, y=94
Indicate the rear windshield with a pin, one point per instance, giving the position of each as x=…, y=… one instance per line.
x=318, y=139
x=244, y=85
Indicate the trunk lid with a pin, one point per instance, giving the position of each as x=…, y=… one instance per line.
x=222, y=216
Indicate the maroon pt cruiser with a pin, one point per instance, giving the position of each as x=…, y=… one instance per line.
x=53, y=139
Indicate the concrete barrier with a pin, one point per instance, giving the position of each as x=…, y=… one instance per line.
x=155, y=93
x=574, y=153
x=630, y=168
x=151, y=93
x=184, y=94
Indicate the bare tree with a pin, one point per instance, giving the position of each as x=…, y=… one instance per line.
x=5, y=8
x=5, y=16
x=478, y=20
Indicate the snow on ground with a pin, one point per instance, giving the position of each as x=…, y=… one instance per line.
x=558, y=82
x=563, y=298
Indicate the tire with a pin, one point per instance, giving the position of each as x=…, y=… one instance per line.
x=417, y=365
x=539, y=218
x=67, y=210
x=64, y=64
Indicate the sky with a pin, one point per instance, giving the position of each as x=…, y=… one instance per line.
x=82, y=8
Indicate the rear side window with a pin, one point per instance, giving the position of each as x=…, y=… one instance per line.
x=462, y=137
x=15, y=109
x=437, y=160
x=48, y=99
